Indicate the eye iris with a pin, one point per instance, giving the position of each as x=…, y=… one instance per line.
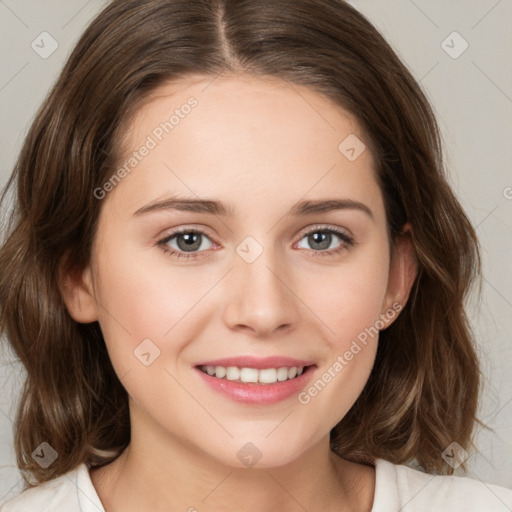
x=324, y=239
x=192, y=241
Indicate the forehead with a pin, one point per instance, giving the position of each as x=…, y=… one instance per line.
x=240, y=136
x=244, y=101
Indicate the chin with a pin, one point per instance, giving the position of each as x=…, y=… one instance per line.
x=259, y=454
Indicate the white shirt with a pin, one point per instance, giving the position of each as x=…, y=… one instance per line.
x=397, y=488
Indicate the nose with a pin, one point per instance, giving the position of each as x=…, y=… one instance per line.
x=260, y=297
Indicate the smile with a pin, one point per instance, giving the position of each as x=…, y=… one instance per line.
x=256, y=386
x=254, y=375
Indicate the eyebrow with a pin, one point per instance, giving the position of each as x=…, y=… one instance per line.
x=218, y=208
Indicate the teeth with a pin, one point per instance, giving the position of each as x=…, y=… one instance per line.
x=282, y=374
x=268, y=376
x=264, y=376
x=220, y=372
x=249, y=375
x=232, y=373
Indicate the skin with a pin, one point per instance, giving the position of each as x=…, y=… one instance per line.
x=259, y=145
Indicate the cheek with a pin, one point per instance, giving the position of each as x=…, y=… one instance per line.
x=349, y=308
x=138, y=301
x=148, y=297
x=348, y=301
x=348, y=298
x=147, y=319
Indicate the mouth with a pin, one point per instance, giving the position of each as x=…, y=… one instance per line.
x=256, y=380
x=251, y=375
x=256, y=386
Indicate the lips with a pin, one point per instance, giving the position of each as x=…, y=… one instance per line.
x=258, y=394
x=259, y=363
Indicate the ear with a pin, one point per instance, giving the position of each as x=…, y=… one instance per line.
x=403, y=270
x=78, y=293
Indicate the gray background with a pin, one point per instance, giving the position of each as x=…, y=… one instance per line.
x=472, y=97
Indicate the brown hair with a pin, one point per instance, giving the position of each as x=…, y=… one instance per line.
x=423, y=390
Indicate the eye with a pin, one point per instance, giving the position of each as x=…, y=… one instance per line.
x=188, y=243
x=321, y=238
x=184, y=243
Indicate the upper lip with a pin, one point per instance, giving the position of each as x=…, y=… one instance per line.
x=259, y=363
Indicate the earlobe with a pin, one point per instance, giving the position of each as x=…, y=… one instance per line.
x=402, y=273
x=78, y=294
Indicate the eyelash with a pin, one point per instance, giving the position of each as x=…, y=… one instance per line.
x=347, y=239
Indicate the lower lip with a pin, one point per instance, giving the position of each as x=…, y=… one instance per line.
x=261, y=394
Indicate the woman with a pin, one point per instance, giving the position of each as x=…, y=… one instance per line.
x=236, y=271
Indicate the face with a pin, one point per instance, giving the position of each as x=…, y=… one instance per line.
x=257, y=271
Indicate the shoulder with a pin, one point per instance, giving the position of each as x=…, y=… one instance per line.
x=399, y=487
x=72, y=492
